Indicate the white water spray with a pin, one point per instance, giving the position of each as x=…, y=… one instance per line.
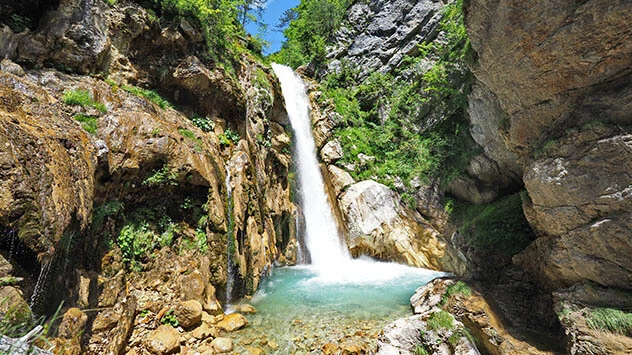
x=322, y=239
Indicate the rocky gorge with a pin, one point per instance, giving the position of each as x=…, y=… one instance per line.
x=146, y=181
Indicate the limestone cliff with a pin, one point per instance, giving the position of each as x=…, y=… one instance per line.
x=115, y=198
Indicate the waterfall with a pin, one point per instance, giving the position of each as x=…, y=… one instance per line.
x=325, y=246
x=230, y=243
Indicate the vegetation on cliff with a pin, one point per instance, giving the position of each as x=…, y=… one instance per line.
x=410, y=123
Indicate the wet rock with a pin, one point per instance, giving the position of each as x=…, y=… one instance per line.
x=222, y=345
x=380, y=227
x=245, y=309
x=189, y=313
x=72, y=324
x=330, y=349
x=401, y=336
x=232, y=322
x=331, y=151
x=339, y=179
x=204, y=331
x=6, y=269
x=164, y=340
x=13, y=307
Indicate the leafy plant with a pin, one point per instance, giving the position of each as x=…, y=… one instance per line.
x=458, y=288
x=82, y=98
x=162, y=176
x=440, y=320
x=229, y=137
x=169, y=318
x=191, y=136
x=203, y=123
x=135, y=241
x=148, y=94
x=19, y=23
x=421, y=350
x=88, y=123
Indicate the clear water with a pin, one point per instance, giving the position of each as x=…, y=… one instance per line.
x=300, y=311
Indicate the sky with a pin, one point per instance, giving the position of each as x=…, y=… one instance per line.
x=273, y=11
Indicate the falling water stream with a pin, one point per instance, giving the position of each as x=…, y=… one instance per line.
x=335, y=299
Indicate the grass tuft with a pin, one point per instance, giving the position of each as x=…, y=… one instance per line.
x=609, y=319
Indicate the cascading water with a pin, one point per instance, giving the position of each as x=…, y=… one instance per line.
x=323, y=242
x=230, y=264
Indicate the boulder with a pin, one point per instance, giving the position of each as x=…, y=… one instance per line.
x=232, y=322
x=379, y=226
x=189, y=313
x=204, y=331
x=13, y=307
x=222, y=345
x=401, y=336
x=163, y=340
x=73, y=323
x=331, y=151
x=339, y=179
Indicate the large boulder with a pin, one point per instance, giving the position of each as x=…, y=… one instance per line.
x=379, y=226
x=164, y=340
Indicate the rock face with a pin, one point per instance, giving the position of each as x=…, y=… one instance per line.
x=89, y=169
x=554, y=94
x=379, y=34
x=380, y=227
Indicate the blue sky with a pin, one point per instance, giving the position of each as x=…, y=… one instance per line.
x=274, y=9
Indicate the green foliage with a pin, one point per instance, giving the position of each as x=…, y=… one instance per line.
x=201, y=240
x=421, y=350
x=197, y=142
x=203, y=123
x=412, y=121
x=499, y=227
x=88, y=123
x=111, y=2
x=229, y=137
x=18, y=23
x=82, y=98
x=8, y=281
x=136, y=240
x=609, y=319
x=16, y=323
x=148, y=94
x=440, y=320
x=108, y=209
x=311, y=24
x=169, y=318
x=459, y=288
x=162, y=176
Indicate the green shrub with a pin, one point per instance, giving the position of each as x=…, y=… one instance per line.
x=88, y=123
x=136, y=240
x=440, y=320
x=162, y=176
x=169, y=318
x=148, y=94
x=459, y=288
x=499, y=227
x=421, y=350
x=19, y=23
x=203, y=123
x=100, y=213
x=229, y=137
x=197, y=142
x=609, y=319
x=82, y=98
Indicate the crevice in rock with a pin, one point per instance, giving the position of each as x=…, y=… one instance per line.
x=20, y=15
